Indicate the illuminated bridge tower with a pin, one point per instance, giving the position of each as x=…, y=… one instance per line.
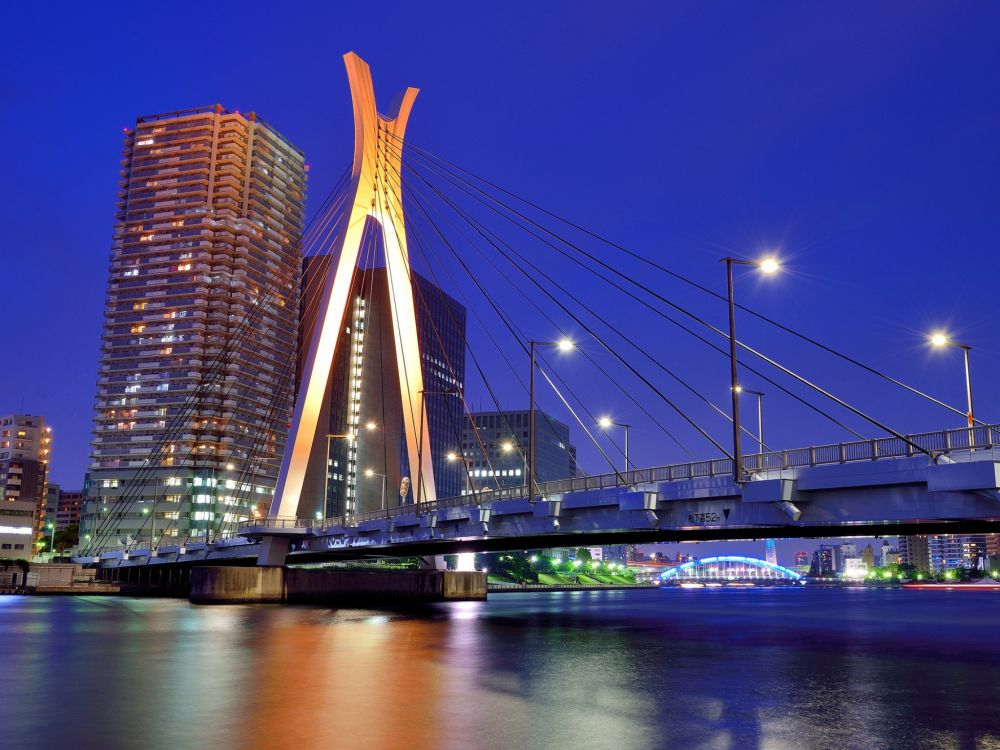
x=375, y=194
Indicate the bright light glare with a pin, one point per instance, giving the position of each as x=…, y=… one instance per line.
x=604, y=422
x=738, y=389
x=369, y=472
x=370, y=426
x=769, y=265
x=939, y=339
x=506, y=446
x=565, y=345
x=452, y=456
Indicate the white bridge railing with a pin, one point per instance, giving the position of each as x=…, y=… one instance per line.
x=937, y=443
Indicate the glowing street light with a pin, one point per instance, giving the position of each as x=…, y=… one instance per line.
x=768, y=266
x=940, y=340
x=564, y=345
x=453, y=456
x=373, y=473
x=418, y=493
x=606, y=423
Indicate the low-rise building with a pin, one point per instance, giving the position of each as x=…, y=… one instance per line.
x=25, y=445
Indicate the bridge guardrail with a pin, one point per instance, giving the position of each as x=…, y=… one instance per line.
x=939, y=442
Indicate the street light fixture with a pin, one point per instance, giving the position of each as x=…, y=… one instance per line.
x=419, y=492
x=760, y=413
x=52, y=538
x=767, y=266
x=373, y=473
x=940, y=340
x=453, y=456
x=564, y=345
x=606, y=423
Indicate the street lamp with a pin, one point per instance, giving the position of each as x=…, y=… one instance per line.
x=52, y=538
x=419, y=493
x=453, y=456
x=767, y=266
x=760, y=413
x=373, y=473
x=563, y=345
x=939, y=341
x=607, y=423
x=152, y=527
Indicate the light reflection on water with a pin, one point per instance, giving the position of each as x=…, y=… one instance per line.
x=622, y=670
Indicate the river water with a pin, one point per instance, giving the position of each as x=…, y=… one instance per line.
x=610, y=670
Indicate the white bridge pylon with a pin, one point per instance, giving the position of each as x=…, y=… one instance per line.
x=376, y=186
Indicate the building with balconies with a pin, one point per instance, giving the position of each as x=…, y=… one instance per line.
x=25, y=448
x=200, y=327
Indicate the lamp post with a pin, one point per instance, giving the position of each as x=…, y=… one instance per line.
x=373, y=473
x=940, y=340
x=767, y=266
x=419, y=492
x=563, y=345
x=508, y=446
x=606, y=423
x=52, y=539
x=152, y=526
x=453, y=456
x=760, y=413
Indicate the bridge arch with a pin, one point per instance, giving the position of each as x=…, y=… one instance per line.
x=730, y=567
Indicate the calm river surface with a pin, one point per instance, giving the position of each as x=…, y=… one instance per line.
x=615, y=670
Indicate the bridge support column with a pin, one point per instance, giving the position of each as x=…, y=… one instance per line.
x=273, y=551
x=229, y=585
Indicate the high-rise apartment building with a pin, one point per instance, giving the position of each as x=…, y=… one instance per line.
x=200, y=326
x=25, y=448
x=954, y=551
x=362, y=411
x=496, y=449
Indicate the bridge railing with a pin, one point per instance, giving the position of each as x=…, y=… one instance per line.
x=939, y=442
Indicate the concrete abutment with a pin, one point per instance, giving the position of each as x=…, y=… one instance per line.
x=279, y=584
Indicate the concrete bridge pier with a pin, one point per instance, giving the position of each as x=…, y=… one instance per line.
x=281, y=584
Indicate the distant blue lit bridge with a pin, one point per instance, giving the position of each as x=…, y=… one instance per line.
x=729, y=568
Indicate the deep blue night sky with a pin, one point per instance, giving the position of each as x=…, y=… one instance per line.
x=860, y=142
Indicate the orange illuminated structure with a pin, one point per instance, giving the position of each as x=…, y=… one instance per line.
x=375, y=193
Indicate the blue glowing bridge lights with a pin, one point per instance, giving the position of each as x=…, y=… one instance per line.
x=731, y=567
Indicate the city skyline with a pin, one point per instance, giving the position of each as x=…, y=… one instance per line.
x=464, y=374
x=433, y=126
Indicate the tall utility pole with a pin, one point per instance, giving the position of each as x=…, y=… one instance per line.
x=767, y=266
x=734, y=376
x=563, y=345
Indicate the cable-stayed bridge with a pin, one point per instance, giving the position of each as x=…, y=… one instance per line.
x=520, y=270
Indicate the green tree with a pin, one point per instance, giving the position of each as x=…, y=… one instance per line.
x=68, y=537
x=583, y=555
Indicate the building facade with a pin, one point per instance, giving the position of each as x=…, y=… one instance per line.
x=957, y=551
x=365, y=448
x=193, y=395
x=495, y=446
x=25, y=449
x=62, y=507
x=914, y=550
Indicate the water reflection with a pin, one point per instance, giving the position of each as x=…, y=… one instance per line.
x=760, y=668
